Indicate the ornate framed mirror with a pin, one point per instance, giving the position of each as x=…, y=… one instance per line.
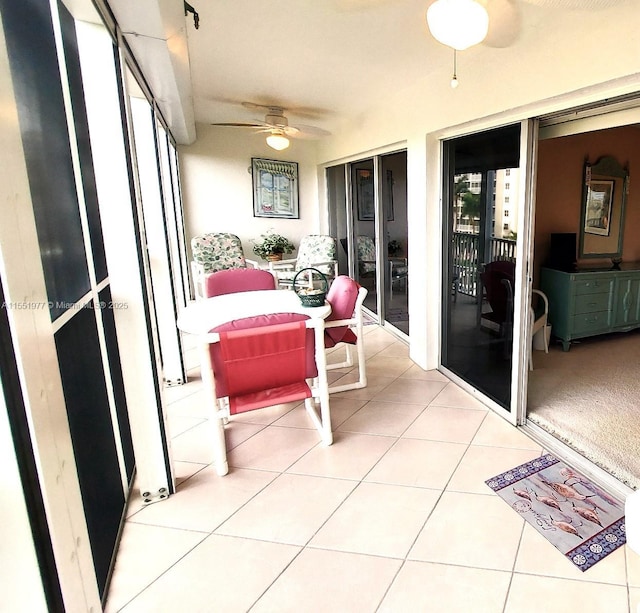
x=604, y=196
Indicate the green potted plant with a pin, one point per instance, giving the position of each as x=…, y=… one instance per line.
x=272, y=245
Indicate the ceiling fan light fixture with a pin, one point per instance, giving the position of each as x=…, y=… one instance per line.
x=277, y=141
x=458, y=23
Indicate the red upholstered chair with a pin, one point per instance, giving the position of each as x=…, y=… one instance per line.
x=237, y=280
x=262, y=361
x=345, y=325
x=498, y=281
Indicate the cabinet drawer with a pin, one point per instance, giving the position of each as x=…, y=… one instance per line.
x=590, y=322
x=591, y=286
x=591, y=303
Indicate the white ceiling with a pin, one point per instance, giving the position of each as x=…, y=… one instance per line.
x=325, y=61
x=321, y=59
x=329, y=60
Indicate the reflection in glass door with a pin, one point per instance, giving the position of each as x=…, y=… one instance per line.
x=393, y=175
x=481, y=207
x=363, y=196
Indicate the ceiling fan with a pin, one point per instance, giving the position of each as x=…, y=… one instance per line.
x=276, y=126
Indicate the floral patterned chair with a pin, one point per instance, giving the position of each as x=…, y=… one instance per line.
x=398, y=266
x=213, y=252
x=366, y=256
x=315, y=251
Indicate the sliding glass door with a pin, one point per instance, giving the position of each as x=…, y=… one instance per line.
x=394, y=246
x=482, y=201
x=368, y=215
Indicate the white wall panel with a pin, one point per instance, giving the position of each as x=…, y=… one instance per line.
x=218, y=192
x=23, y=279
x=134, y=329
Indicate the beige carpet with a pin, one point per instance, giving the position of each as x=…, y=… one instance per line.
x=589, y=398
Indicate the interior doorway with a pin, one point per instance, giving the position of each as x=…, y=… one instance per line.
x=586, y=397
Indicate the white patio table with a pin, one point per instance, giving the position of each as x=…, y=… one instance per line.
x=201, y=316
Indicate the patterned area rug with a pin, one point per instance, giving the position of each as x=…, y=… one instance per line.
x=576, y=516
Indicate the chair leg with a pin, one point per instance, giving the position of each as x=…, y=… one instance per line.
x=321, y=421
x=362, y=371
x=325, y=416
x=219, y=445
x=320, y=391
x=348, y=362
x=218, y=416
x=362, y=367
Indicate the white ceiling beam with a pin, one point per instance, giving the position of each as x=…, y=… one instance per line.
x=156, y=32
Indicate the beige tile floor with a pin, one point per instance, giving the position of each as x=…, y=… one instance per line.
x=393, y=517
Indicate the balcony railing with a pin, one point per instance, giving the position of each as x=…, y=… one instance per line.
x=465, y=259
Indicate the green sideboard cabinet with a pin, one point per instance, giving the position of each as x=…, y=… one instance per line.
x=592, y=301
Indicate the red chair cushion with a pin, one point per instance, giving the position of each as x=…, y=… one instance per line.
x=264, y=366
x=311, y=371
x=269, y=397
x=497, y=293
x=342, y=297
x=237, y=280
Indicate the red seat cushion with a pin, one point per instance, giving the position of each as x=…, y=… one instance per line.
x=236, y=280
x=498, y=294
x=342, y=297
x=311, y=371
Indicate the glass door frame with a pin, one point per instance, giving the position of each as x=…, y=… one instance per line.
x=523, y=273
x=379, y=227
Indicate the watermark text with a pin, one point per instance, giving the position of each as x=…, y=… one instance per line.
x=61, y=304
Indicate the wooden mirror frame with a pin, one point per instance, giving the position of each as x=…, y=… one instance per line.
x=604, y=195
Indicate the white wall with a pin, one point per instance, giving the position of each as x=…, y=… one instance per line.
x=218, y=192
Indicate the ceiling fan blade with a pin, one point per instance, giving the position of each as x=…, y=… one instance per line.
x=299, y=131
x=240, y=125
x=268, y=128
x=309, y=132
x=306, y=112
x=257, y=106
x=504, y=23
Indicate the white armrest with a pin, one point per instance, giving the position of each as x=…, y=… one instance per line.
x=198, y=273
x=282, y=264
x=544, y=299
x=336, y=323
